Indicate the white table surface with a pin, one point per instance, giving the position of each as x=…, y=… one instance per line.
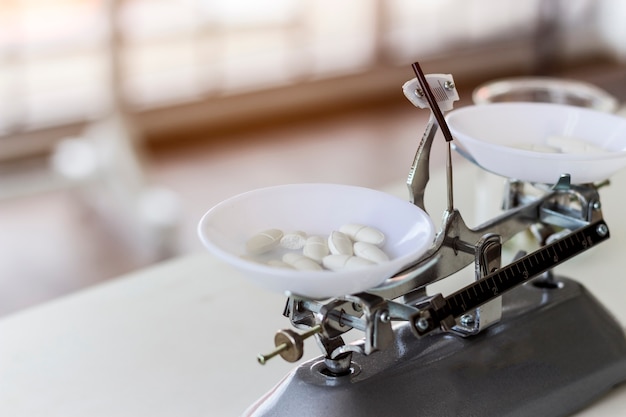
x=181, y=338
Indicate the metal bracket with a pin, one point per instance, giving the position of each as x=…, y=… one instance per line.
x=488, y=260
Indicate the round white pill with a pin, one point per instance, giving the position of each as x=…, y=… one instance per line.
x=279, y=264
x=264, y=241
x=301, y=262
x=370, y=252
x=338, y=262
x=572, y=145
x=363, y=233
x=293, y=241
x=316, y=247
x=340, y=244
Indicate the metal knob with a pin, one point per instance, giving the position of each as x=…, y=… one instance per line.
x=289, y=345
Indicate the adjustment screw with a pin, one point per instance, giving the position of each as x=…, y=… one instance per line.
x=467, y=320
x=422, y=324
x=448, y=85
x=602, y=230
x=419, y=92
x=289, y=345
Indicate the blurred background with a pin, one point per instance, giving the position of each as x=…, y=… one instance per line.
x=123, y=121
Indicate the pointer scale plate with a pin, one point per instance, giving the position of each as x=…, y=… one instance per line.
x=517, y=272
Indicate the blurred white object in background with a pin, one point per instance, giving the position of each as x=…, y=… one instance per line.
x=611, y=29
x=105, y=167
x=75, y=159
x=546, y=90
x=106, y=174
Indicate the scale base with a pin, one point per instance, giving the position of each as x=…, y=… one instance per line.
x=554, y=351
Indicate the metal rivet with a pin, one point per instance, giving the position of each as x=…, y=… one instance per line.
x=357, y=307
x=602, y=230
x=385, y=317
x=448, y=85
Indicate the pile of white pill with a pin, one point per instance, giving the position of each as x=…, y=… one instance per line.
x=352, y=246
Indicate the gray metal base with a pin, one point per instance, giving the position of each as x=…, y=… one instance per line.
x=554, y=352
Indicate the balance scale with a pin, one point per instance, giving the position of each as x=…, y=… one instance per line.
x=517, y=341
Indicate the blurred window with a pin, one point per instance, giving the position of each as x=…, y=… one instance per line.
x=61, y=60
